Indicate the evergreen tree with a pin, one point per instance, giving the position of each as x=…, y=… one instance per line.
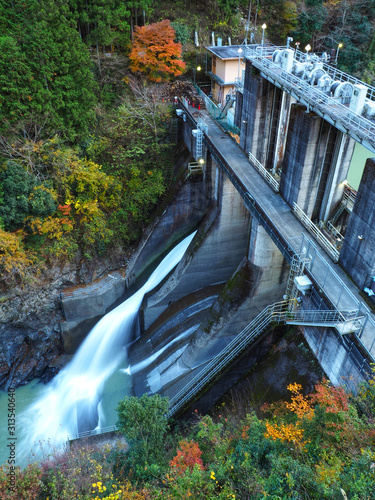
x=51, y=66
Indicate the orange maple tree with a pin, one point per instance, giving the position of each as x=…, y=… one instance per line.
x=155, y=53
x=188, y=456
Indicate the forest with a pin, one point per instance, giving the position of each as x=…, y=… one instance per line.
x=86, y=150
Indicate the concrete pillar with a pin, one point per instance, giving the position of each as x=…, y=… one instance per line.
x=256, y=115
x=263, y=117
x=338, y=172
x=358, y=251
x=267, y=258
x=308, y=145
x=316, y=162
x=282, y=131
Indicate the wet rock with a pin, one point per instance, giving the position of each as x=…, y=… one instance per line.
x=30, y=315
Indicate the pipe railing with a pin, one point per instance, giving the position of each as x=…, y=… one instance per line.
x=274, y=314
x=93, y=432
x=319, y=236
x=264, y=173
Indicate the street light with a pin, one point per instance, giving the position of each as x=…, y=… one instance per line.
x=337, y=53
x=307, y=48
x=245, y=123
x=198, y=68
x=239, y=60
x=264, y=26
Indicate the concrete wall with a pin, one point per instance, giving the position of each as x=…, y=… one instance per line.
x=257, y=282
x=358, y=251
x=263, y=117
x=222, y=246
x=311, y=155
x=335, y=356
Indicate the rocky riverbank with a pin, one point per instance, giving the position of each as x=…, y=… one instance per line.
x=30, y=316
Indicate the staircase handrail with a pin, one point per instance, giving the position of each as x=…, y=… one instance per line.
x=274, y=313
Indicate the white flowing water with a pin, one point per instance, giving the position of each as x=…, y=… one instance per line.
x=71, y=401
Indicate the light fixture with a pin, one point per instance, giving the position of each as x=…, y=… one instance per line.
x=339, y=46
x=307, y=48
x=264, y=26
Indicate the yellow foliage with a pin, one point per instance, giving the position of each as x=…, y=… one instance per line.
x=300, y=405
x=122, y=492
x=285, y=432
x=13, y=258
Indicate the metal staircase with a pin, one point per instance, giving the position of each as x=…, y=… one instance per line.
x=296, y=269
x=347, y=203
x=286, y=312
x=198, y=134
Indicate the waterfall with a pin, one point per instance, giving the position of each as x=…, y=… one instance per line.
x=70, y=401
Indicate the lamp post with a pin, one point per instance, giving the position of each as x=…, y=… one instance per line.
x=244, y=145
x=239, y=61
x=198, y=68
x=264, y=26
x=337, y=53
x=307, y=48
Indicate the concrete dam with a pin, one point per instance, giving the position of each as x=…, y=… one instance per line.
x=267, y=197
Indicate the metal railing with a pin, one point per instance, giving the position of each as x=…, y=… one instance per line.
x=217, y=113
x=355, y=125
x=208, y=374
x=239, y=84
x=264, y=173
x=195, y=168
x=349, y=197
x=322, y=317
x=94, y=432
x=319, y=236
x=336, y=234
x=327, y=279
x=273, y=314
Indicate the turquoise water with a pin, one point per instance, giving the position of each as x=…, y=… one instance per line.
x=357, y=165
x=85, y=393
x=24, y=396
x=117, y=386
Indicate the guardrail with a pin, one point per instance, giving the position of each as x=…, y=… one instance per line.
x=311, y=227
x=94, y=432
x=276, y=313
x=264, y=173
x=344, y=118
x=195, y=168
x=349, y=197
x=323, y=275
x=226, y=356
x=331, y=228
x=217, y=113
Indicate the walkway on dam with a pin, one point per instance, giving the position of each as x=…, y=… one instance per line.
x=329, y=277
